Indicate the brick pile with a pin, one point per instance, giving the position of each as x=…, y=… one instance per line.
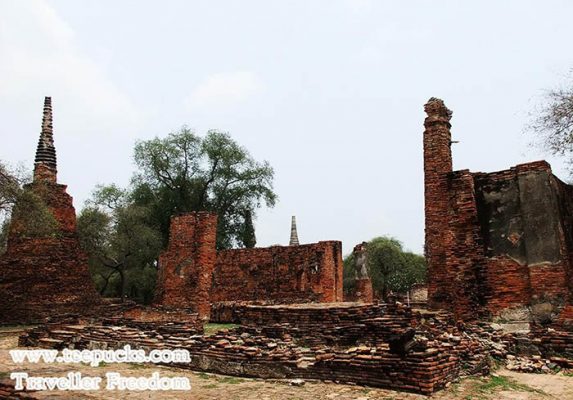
x=8, y=391
x=429, y=365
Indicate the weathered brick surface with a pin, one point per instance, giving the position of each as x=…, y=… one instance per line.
x=186, y=267
x=495, y=240
x=44, y=277
x=364, y=292
x=437, y=164
x=287, y=274
x=507, y=284
x=192, y=274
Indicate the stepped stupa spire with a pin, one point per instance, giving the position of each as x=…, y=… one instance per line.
x=293, y=233
x=45, y=166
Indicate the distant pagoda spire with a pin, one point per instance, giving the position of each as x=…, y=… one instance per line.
x=45, y=166
x=293, y=234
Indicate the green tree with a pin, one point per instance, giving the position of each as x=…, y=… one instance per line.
x=10, y=188
x=22, y=209
x=390, y=267
x=184, y=172
x=349, y=274
x=248, y=237
x=121, y=242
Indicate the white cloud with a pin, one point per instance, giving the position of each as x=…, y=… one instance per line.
x=39, y=55
x=224, y=90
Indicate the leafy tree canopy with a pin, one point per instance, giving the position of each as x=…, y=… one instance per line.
x=122, y=244
x=390, y=267
x=184, y=172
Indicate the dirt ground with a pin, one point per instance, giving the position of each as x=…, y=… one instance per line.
x=503, y=385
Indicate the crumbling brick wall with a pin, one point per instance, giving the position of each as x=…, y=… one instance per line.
x=310, y=272
x=186, y=266
x=192, y=274
x=493, y=240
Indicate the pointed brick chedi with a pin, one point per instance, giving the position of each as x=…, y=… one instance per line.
x=45, y=275
x=293, y=233
x=45, y=164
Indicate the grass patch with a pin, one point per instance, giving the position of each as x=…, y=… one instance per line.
x=230, y=380
x=211, y=329
x=210, y=386
x=495, y=383
x=568, y=374
x=4, y=375
x=203, y=375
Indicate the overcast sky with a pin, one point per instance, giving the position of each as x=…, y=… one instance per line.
x=331, y=93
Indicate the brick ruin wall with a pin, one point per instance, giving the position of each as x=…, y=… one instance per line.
x=192, y=274
x=280, y=274
x=493, y=241
x=186, y=266
x=42, y=277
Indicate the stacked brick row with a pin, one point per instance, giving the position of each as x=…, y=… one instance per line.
x=507, y=284
x=433, y=364
x=8, y=391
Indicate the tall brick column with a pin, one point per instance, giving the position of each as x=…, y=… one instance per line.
x=437, y=166
x=186, y=267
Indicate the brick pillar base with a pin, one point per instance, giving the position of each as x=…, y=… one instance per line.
x=364, y=292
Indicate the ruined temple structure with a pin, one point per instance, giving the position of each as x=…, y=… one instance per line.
x=192, y=274
x=45, y=276
x=364, y=292
x=494, y=241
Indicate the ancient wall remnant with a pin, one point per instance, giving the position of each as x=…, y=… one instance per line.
x=493, y=240
x=192, y=273
x=42, y=276
x=310, y=272
x=186, y=266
